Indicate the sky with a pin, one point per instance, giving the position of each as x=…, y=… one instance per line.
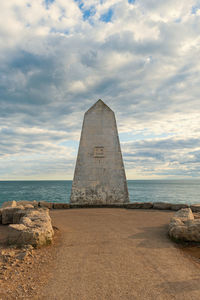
x=58, y=57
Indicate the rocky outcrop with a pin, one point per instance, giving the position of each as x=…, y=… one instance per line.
x=183, y=226
x=34, y=229
x=7, y=214
x=9, y=204
x=195, y=207
x=34, y=203
x=27, y=225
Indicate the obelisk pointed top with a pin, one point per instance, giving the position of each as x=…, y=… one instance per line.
x=99, y=104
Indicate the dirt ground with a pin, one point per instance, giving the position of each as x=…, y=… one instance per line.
x=24, y=271
x=107, y=254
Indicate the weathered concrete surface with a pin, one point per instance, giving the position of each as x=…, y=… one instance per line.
x=118, y=254
x=99, y=175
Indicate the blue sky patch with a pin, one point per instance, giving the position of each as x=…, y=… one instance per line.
x=48, y=3
x=107, y=16
x=194, y=9
x=80, y=3
x=89, y=13
x=131, y=1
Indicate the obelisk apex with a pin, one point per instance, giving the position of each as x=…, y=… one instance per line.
x=99, y=176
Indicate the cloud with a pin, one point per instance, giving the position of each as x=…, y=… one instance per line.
x=164, y=156
x=57, y=58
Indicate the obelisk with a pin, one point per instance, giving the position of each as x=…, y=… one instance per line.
x=99, y=176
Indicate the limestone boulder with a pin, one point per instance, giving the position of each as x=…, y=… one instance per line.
x=8, y=214
x=28, y=206
x=28, y=225
x=34, y=203
x=18, y=214
x=9, y=204
x=35, y=229
x=175, y=222
x=184, y=214
x=184, y=227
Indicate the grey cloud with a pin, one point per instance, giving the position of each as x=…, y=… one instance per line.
x=170, y=143
x=156, y=81
x=151, y=156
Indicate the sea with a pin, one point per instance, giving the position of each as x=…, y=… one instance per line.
x=173, y=191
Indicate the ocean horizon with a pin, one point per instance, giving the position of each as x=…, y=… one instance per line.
x=173, y=191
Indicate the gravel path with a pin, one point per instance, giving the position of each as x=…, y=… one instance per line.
x=111, y=254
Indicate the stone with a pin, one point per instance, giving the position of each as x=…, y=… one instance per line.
x=9, y=204
x=26, y=221
x=35, y=229
x=96, y=205
x=162, y=205
x=28, y=225
x=66, y=205
x=22, y=255
x=134, y=205
x=139, y=205
x=8, y=212
x=18, y=215
x=61, y=205
x=147, y=205
x=25, y=203
x=99, y=176
x=184, y=214
x=15, y=233
x=28, y=206
x=195, y=207
x=178, y=206
x=184, y=227
x=46, y=204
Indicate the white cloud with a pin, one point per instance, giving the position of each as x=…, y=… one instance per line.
x=56, y=62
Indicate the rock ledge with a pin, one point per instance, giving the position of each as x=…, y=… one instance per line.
x=27, y=225
x=184, y=227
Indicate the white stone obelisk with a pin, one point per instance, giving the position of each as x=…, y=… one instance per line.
x=99, y=176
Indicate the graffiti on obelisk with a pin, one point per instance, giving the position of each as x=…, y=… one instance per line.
x=99, y=176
